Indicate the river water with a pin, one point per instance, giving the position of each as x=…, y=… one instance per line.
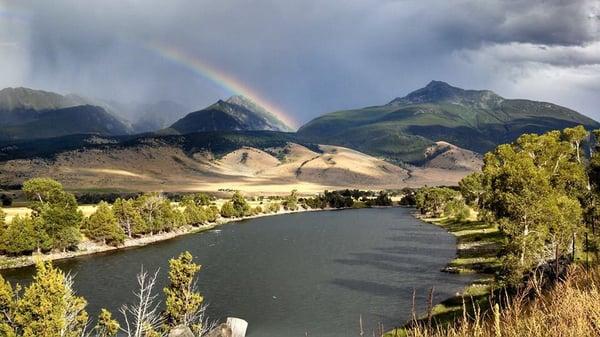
x=287, y=275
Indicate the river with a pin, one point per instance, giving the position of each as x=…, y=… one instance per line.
x=314, y=272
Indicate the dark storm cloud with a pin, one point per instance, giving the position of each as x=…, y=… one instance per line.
x=307, y=56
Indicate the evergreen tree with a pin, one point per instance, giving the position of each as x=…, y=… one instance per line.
x=194, y=214
x=128, y=217
x=227, y=210
x=240, y=206
x=106, y=326
x=49, y=307
x=56, y=209
x=102, y=226
x=7, y=308
x=20, y=236
x=183, y=302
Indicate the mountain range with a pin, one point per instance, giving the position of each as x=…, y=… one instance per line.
x=476, y=120
x=434, y=135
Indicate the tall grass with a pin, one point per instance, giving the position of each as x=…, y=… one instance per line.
x=570, y=308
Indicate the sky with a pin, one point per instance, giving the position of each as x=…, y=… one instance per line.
x=302, y=57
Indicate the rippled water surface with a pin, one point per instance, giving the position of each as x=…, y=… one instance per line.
x=314, y=272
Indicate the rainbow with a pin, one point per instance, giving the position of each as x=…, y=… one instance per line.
x=221, y=78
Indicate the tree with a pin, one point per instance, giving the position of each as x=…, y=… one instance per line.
x=106, y=326
x=471, y=188
x=194, y=214
x=49, y=307
x=128, y=217
x=533, y=188
x=202, y=199
x=456, y=208
x=432, y=200
x=290, y=203
x=240, y=205
x=575, y=136
x=56, y=209
x=19, y=237
x=42, y=190
x=102, y=226
x=7, y=308
x=227, y=210
x=183, y=302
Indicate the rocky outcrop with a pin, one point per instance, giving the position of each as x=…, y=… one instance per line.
x=181, y=331
x=222, y=330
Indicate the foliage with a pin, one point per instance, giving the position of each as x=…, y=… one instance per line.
x=433, y=200
x=103, y=226
x=128, y=217
x=290, y=203
x=227, y=210
x=240, y=206
x=106, y=326
x=20, y=236
x=48, y=307
x=56, y=209
x=533, y=188
x=183, y=302
x=471, y=188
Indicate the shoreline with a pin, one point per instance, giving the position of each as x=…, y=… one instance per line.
x=91, y=248
x=450, y=308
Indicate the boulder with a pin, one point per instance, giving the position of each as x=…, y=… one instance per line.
x=222, y=330
x=181, y=331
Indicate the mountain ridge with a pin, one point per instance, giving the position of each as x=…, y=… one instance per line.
x=477, y=120
x=236, y=113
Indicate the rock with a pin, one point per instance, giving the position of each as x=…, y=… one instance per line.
x=181, y=331
x=238, y=326
x=222, y=330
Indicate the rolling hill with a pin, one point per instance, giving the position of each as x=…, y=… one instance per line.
x=403, y=129
x=234, y=114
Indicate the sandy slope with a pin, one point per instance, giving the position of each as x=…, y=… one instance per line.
x=278, y=170
x=444, y=155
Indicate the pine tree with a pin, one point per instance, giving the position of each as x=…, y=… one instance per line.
x=49, y=307
x=103, y=226
x=128, y=217
x=227, y=210
x=183, y=302
x=106, y=326
x=7, y=307
x=57, y=210
x=20, y=236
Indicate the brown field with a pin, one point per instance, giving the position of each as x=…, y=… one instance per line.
x=168, y=168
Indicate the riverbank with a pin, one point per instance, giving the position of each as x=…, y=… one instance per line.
x=478, y=245
x=89, y=247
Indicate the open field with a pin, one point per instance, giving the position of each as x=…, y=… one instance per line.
x=252, y=170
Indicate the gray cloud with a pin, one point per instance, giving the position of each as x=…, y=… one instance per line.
x=307, y=56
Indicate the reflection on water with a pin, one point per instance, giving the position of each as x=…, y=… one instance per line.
x=314, y=272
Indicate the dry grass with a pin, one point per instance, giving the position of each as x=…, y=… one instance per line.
x=569, y=309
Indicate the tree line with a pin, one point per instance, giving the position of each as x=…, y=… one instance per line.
x=543, y=191
x=56, y=223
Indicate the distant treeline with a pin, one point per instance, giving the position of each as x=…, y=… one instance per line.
x=56, y=223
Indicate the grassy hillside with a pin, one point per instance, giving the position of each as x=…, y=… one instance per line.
x=405, y=127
